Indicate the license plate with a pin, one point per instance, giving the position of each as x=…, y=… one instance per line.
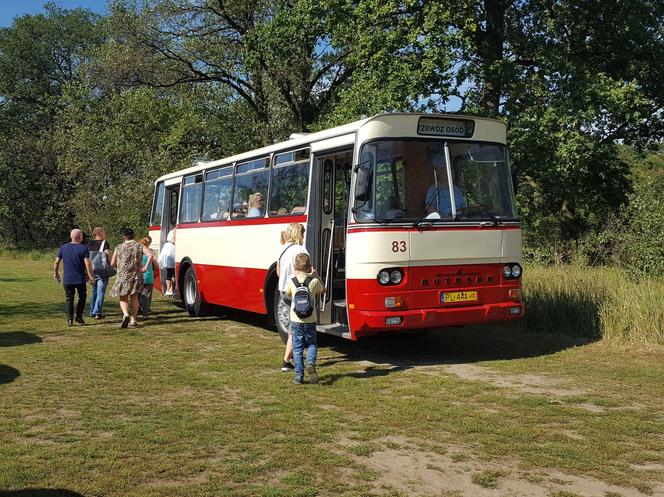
x=453, y=297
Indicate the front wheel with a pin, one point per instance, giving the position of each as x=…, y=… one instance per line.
x=191, y=297
x=281, y=315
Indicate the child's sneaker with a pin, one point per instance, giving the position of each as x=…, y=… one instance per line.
x=287, y=366
x=313, y=376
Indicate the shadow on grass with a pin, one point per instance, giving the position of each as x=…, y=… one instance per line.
x=39, y=492
x=16, y=338
x=7, y=375
x=17, y=280
x=400, y=352
x=35, y=310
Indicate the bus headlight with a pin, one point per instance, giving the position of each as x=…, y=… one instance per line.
x=390, y=276
x=396, y=276
x=512, y=271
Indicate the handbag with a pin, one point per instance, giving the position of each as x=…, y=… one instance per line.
x=100, y=265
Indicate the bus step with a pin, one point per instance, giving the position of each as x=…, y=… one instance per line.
x=340, y=315
x=335, y=329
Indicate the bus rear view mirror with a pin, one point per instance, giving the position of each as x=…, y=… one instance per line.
x=362, y=183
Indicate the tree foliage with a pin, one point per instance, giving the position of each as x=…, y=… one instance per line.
x=93, y=108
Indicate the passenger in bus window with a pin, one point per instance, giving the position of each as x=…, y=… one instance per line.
x=256, y=205
x=438, y=195
x=294, y=239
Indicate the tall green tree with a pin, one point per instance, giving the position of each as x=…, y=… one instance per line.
x=39, y=56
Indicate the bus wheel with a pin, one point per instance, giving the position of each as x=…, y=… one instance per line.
x=191, y=297
x=281, y=315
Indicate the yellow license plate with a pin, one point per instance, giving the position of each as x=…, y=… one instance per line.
x=453, y=297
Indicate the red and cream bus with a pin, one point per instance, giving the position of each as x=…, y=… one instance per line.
x=410, y=222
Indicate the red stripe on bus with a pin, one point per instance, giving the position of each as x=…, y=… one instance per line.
x=352, y=229
x=245, y=222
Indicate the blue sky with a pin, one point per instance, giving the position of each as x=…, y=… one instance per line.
x=13, y=8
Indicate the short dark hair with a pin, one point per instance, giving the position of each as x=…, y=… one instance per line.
x=128, y=232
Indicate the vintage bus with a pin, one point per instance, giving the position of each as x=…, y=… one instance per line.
x=410, y=222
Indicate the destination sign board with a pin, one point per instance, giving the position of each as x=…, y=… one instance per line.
x=435, y=126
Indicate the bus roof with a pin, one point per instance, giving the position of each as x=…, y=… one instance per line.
x=302, y=140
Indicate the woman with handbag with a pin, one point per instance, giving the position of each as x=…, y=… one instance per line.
x=100, y=257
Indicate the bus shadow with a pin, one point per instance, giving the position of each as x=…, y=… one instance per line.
x=470, y=344
x=16, y=338
x=8, y=374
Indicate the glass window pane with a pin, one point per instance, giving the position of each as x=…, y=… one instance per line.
x=252, y=165
x=250, y=194
x=191, y=199
x=409, y=181
x=158, y=205
x=217, y=199
x=289, y=189
x=482, y=174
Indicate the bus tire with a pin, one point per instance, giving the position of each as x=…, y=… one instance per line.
x=281, y=315
x=191, y=297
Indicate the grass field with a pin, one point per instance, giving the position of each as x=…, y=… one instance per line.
x=198, y=407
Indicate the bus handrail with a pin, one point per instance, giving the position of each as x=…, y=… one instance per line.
x=328, y=265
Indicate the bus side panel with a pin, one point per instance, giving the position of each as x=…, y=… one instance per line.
x=236, y=287
x=232, y=258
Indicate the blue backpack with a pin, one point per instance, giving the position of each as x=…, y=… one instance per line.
x=303, y=301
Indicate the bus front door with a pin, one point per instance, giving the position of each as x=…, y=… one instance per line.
x=331, y=248
x=169, y=220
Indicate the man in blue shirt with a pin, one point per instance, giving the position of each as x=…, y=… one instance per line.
x=76, y=257
x=438, y=199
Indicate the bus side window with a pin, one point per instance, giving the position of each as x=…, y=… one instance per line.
x=251, y=184
x=158, y=205
x=192, y=192
x=290, y=183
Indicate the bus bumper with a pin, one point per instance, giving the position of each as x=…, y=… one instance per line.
x=365, y=323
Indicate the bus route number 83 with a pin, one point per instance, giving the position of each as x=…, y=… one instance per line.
x=398, y=246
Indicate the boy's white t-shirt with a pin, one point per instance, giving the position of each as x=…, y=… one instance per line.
x=287, y=264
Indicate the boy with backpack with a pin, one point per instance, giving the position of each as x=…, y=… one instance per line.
x=304, y=289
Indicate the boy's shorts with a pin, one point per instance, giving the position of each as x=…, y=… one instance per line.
x=170, y=272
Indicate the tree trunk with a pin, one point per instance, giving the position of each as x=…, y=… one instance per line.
x=491, y=41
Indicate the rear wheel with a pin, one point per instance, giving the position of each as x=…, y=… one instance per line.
x=191, y=297
x=281, y=315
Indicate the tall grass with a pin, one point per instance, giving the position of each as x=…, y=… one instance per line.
x=25, y=254
x=594, y=303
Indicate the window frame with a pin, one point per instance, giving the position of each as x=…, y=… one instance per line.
x=290, y=163
x=231, y=175
x=162, y=185
x=236, y=166
x=183, y=187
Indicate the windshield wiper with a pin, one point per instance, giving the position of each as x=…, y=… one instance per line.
x=483, y=206
x=436, y=196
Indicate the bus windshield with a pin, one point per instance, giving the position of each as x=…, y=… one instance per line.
x=410, y=180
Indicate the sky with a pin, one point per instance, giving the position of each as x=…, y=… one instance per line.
x=13, y=8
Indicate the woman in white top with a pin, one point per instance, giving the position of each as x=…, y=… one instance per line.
x=293, y=238
x=166, y=262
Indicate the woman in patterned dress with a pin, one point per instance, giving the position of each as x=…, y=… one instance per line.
x=128, y=259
